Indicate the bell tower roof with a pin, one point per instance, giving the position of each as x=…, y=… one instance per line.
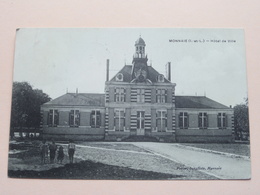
x=140, y=49
x=139, y=41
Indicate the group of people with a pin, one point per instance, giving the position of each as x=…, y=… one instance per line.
x=52, y=149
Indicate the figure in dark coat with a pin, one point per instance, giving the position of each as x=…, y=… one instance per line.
x=44, y=151
x=60, y=155
x=52, y=149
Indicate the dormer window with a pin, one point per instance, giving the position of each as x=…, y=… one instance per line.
x=160, y=78
x=119, y=77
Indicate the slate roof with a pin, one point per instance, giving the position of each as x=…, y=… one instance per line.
x=127, y=74
x=126, y=71
x=140, y=41
x=80, y=99
x=197, y=102
x=93, y=99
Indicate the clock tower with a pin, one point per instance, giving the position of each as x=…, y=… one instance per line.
x=140, y=70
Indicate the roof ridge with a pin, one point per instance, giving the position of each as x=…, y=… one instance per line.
x=86, y=98
x=192, y=96
x=87, y=93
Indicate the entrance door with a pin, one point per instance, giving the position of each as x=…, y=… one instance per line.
x=140, y=123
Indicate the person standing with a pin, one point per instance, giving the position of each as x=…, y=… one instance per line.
x=60, y=155
x=52, y=149
x=71, y=150
x=44, y=151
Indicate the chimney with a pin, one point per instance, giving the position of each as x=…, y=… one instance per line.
x=77, y=91
x=107, y=70
x=169, y=71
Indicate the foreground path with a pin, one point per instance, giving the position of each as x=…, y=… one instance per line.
x=125, y=154
x=220, y=166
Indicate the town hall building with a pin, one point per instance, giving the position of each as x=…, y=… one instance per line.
x=138, y=102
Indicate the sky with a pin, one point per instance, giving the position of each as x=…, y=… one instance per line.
x=208, y=62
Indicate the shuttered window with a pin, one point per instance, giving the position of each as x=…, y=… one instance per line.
x=222, y=120
x=53, y=118
x=95, y=119
x=183, y=120
x=203, y=120
x=74, y=118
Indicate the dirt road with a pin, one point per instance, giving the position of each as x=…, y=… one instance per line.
x=220, y=166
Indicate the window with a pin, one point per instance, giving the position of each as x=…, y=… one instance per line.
x=222, y=120
x=161, y=121
x=95, y=119
x=119, y=120
x=74, y=119
x=161, y=96
x=119, y=95
x=183, y=120
x=140, y=119
x=203, y=120
x=140, y=95
x=53, y=118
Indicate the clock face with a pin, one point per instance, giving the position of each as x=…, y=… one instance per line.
x=144, y=73
x=141, y=75
x=141, y=78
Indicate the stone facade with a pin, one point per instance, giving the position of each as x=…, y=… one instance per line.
x=138, y=102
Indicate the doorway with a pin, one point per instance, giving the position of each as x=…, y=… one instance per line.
x=140, y=123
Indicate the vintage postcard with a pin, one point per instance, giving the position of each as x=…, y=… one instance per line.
x=129, y=104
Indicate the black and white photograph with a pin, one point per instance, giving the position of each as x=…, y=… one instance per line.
x=129, y=104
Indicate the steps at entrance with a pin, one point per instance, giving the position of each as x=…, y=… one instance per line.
x=140, y=138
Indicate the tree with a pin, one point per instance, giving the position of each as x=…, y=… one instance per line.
x=26, y=103
x=241, y=120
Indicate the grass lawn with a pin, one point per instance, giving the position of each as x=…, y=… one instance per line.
x=234, y=148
